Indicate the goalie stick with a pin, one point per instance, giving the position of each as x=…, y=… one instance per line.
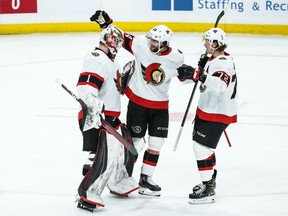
x=105, y=124
x=193, y=91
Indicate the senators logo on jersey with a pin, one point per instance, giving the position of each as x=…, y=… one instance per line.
x=153, y=74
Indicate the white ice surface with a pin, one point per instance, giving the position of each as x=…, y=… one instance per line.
x=40, y=143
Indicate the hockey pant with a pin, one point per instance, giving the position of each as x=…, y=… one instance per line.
x=112, y=167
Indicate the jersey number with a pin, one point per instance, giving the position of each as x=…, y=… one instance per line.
x=234, y=79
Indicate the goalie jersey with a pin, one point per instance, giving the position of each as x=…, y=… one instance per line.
x=98, y=74
x=149, y=84
x=218, y=94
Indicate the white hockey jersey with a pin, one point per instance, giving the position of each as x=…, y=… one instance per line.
x=98, y=74
x=150, y=82
x=218, y=97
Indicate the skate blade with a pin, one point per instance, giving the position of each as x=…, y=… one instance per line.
x=89, y=207
x=205, y=200
x=147, y=192
x=82, y=204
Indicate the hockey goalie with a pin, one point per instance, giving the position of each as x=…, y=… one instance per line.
x=109, y=163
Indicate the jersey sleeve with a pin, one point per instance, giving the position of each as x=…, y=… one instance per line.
x=219, y=75
x=132, y=43
x=127, y=43
x=92, y=77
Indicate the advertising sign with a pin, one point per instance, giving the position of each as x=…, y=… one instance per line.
x=18, y=6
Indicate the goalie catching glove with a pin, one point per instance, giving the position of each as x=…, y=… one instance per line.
x=102, y=18
x=124, y=78
x=95, y=107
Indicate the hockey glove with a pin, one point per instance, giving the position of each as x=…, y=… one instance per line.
x=95, y=107
x=102, y=18
x=202, y=61
x=124, y=78
x=188, y=72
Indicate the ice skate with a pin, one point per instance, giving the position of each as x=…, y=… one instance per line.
x=89, y=201
x=148, y=187
x=205, y=192
x=86, y=205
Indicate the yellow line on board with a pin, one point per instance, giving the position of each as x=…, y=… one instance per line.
x=140, y=27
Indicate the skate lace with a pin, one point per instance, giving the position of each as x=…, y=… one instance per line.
x=198, y=189
x=150, y=181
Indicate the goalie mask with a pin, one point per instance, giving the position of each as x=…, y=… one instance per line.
x=112, y=38
x=216, y=35
x=161, y=34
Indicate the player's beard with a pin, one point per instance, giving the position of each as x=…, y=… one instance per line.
x=153, y=48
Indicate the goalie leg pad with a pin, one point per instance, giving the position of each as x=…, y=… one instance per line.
x=121, y=181
x=124, y=187
x=129, y=158
x=93, y=198
x=98, y=175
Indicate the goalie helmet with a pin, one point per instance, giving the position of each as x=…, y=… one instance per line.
x=162, y=34
x=112, y=38
x=218, y=35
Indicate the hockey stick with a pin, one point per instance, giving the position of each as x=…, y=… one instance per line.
x=193, y=91
x=227, y=138
x=105, y=124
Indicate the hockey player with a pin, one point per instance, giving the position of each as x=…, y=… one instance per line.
x=109, y=163
x=156, y=63
x=217, y=108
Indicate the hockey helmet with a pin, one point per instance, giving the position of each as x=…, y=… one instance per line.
x=162, y=34
x=218, y=35
x=112, y=38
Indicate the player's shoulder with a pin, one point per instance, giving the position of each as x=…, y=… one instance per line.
x=176, y=54
x=97, y=53
x=96, y=59
x=176, y=51
x=225, y=57
x=225, y=62
x=140, y=40
x=97, y=56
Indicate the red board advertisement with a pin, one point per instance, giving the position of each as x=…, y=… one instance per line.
x=18, y=6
